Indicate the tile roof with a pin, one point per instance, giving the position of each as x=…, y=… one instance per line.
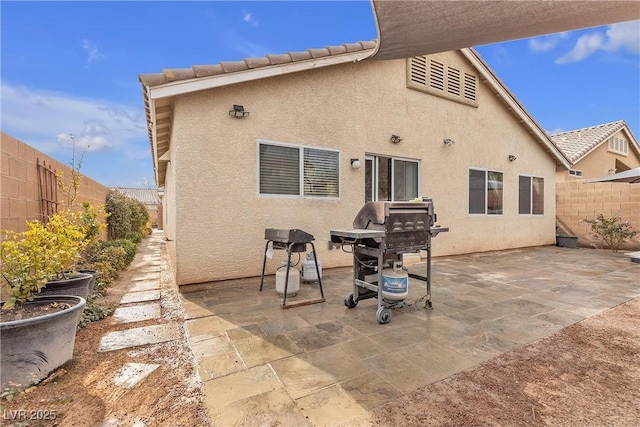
x=147, y=196
x=197, y=71
x=577, y=143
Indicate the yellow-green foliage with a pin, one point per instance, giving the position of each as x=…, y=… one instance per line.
x=28, y=259
x=68, y=234
x=43, y=252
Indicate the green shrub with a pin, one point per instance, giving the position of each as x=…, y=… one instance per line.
x=129, y=247
x=107, y=260
x=93, y=312
x=127, y=217
x=613, y=231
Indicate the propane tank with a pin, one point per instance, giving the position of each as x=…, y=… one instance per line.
x=395, y=283
x=309, y=273
x=294, y=280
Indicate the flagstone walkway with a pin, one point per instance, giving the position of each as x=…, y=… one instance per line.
x=141, y=303
x=327, y=365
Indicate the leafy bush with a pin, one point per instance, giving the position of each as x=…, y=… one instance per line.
x=127, y=217
x=129, y=247
x=43, y=252
x=613, y=231
x=91, y=224
x=108, y=261
x=25, y=263
x=93, y=312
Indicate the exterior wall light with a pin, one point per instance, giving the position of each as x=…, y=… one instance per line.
x=512, y=157
x=355, y=163
x=395, y=139
x=449, y=142
x=238, y=112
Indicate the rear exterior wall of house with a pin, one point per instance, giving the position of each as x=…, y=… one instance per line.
x=215, y=217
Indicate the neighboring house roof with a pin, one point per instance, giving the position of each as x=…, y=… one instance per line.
x=577, y=144
x=158, y=89
x=147, y=196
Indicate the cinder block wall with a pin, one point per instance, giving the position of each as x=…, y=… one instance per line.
x=578, y=200
x=20, y=189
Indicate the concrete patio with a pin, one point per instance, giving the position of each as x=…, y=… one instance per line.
x=325, y=364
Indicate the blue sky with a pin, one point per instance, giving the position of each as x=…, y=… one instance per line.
x=72, y=68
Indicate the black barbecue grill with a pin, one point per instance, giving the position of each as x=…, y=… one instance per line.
x=382, y=233
x=293, y=241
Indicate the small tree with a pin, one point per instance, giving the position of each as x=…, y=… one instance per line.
x=613, y=231
x=70, y=190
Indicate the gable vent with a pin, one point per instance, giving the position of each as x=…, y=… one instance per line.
x=418, y=70
x=436, y=75
x=453, y=81
x=470, y=86
x=439, y=79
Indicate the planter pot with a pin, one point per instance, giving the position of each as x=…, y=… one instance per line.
x=567, y=241
x=32, y=348
x=93, y=274
x=77, y=286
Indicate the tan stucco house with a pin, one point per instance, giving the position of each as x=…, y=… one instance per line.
x=597, y=151
x=273, y=141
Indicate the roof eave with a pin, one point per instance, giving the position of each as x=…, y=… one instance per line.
x=204, y=83
x=515, y=105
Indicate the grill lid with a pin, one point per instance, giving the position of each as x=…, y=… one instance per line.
x=396, y=216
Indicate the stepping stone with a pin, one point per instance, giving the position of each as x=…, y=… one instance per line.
x=141, y=296
x=146, y=276
x=136, y=313
x=132, y=374
x=147, y=285
x=138, y=336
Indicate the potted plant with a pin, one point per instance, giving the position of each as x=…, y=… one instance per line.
x=37, y=333
x=67, y=242
x=566, y=241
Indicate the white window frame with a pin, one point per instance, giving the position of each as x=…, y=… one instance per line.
x=486, y=192
x=375, y=158
x=531, y=213
x=575, y=172
x=300, y=148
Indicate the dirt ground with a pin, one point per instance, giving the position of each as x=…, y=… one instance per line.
x=586, y=375
x=83, y=394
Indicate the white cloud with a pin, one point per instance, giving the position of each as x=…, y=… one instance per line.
x=44, y=120
x=546, y=43
x=585, y=46
x=93, y=54
x=248, y=18
x=624, y=36
x=501, y=56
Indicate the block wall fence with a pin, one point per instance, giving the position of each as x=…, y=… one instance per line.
x=578, y=200
x=20, y=197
